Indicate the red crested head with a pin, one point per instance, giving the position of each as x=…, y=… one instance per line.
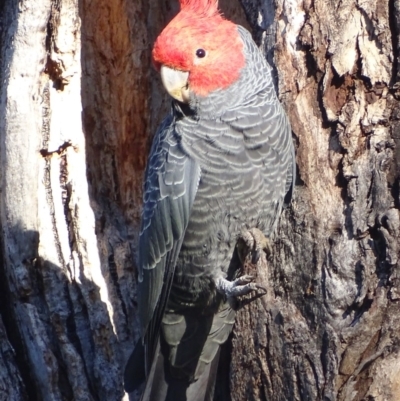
x=204, y=44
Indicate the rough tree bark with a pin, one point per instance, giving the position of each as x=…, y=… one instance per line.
x=79, y=102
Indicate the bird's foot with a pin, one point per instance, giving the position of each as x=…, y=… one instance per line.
x=253, y=242
x=241, y=286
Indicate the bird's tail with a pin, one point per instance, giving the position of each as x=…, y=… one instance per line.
x=161, y=387
x=185, y=362
x=135, y=375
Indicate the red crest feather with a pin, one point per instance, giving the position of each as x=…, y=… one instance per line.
x=205, y=7
x=200, y=26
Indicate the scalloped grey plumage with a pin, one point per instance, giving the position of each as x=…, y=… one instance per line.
x=219, y=165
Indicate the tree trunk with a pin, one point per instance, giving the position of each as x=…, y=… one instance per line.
x=79, y=102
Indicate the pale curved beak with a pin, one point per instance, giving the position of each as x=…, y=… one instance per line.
x=176, y=83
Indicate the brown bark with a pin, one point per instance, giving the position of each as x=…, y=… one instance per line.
x=329, y=328
x=79, y=103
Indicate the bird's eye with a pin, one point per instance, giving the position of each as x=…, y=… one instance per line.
x=200, y=53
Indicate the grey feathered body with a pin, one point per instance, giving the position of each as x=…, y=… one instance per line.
x=243, y=146
x=217, y=166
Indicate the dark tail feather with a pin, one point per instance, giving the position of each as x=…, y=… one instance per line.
x=160, y=387
x=156, y=385
x=135, y=374
x=203, y=388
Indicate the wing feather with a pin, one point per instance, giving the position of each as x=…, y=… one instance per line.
x=171, y=181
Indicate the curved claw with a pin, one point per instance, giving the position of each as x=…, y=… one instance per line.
x=254, y=242
x=255, y=257
x=241, y=286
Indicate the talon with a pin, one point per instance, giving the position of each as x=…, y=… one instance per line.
x=262, y=288
x=241, y=286
x=255, y=257
x=253, y=241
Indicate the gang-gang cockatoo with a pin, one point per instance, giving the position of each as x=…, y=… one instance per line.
x=221, y=162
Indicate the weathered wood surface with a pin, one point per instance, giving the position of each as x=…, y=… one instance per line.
x=79, y=102
x=329, y=328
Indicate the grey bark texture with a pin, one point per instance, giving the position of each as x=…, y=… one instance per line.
x=79, y=102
